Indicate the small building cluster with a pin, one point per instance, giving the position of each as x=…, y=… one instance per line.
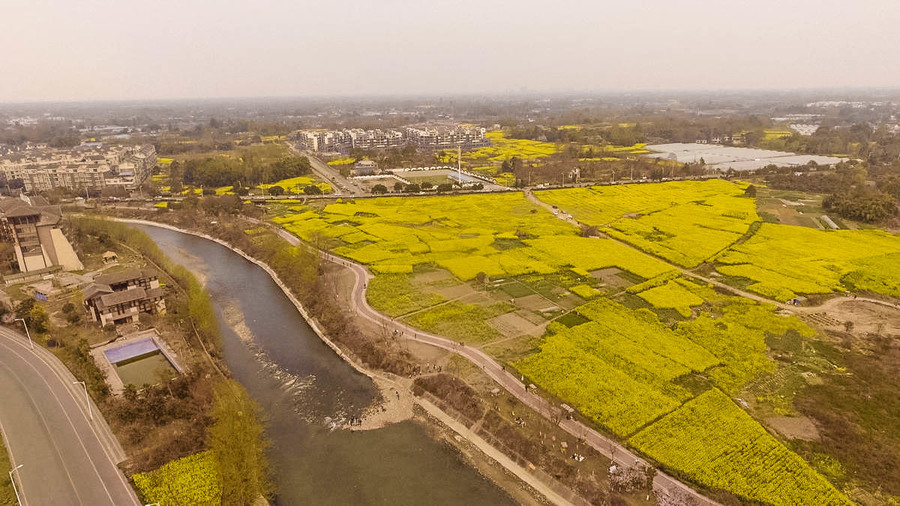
x=92, y=166
x=121, y=297
x=31, y=224
x=428, y=136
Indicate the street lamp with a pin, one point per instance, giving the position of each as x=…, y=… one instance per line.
x=26, y=331
x=87, y=399
x=11, y=480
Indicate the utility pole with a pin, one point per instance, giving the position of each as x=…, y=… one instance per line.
x=13, y=481
x=459, y=163
x=30, y=342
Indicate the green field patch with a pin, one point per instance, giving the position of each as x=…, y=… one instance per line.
x=396, y=294
x=460, y=321
x=516, y=289
x=572, y=319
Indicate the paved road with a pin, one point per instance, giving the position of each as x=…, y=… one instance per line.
x=67, y=458
x=328, y=174
x=614, y=451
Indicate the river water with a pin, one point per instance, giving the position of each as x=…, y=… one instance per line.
x=302, y=384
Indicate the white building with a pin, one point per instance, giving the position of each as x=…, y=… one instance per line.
x=92, y=167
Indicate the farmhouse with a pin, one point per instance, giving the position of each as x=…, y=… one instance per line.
x=120, y=297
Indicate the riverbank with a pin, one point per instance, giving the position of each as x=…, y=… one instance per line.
x=396, y=402
x=200, y=407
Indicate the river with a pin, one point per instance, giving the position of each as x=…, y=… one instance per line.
x=301, y=384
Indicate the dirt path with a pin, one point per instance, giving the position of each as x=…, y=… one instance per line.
x=687, y=272
x=604, y=445
x=495, y=454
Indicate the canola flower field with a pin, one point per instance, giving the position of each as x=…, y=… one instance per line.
x=666, y=389
x=498, y=235
x=714, y=442
x=684, y=222
x=190, y=480
x=784, y=261
x=504, y=148
x=623, y=369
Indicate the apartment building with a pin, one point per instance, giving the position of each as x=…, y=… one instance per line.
x=87, y=167
x=428, y=136
x=446, y=136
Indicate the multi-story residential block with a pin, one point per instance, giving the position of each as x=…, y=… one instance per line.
x=31, y=224
x=121, y=297
x=428, y=136
x=88, y=167
x=446, y=136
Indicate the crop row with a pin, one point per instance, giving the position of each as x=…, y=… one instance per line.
x=785, y=260
x=715, y=443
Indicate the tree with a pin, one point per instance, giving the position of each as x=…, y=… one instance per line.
x=444, y=188
x=237, y=440
x=398, y=186
x=275, y=190
x=481, y=278
x=38, y=319
x=379, y=189
x=426, y=185
x=750, y=191
x=412, y=188
x=312, y=190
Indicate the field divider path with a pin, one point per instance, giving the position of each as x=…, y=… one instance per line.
x=688, y=272
x=543, y=488
x=604, y=445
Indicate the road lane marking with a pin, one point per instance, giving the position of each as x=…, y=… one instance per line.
x=71, y=424
x=65, y=383
x=46, y=427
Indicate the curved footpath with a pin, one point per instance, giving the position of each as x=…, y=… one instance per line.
x=66, y=457
x=550, y=491
x=611, y=449
x=617, y=453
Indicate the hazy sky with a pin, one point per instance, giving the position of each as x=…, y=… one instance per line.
x=124, y=49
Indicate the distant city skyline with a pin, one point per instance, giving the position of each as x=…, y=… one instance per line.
x=57, y=50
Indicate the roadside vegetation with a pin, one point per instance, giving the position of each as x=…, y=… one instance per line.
x=7, y=494
x=181, y=415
